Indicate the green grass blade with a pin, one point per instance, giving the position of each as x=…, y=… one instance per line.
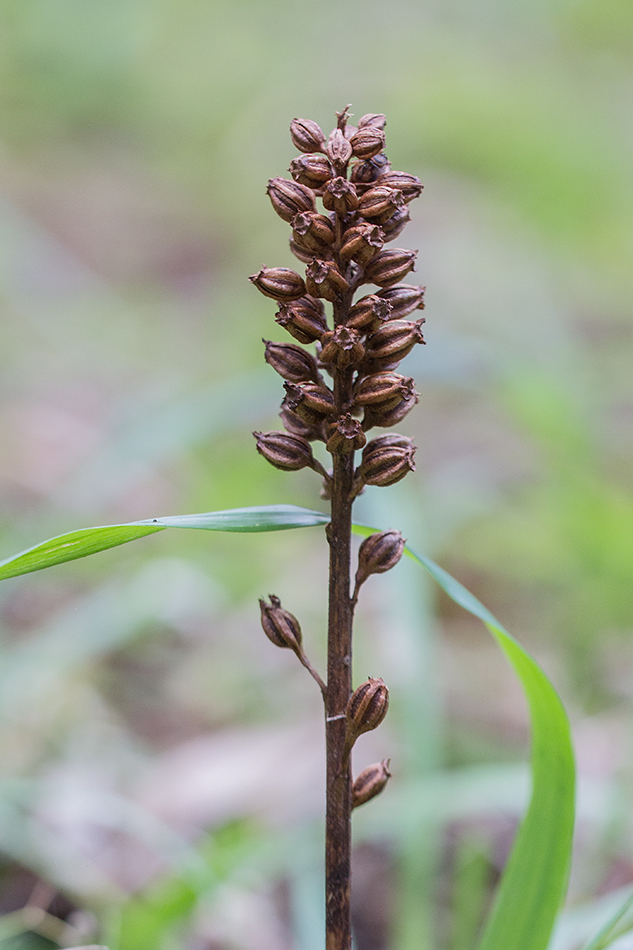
x=611, y=932
x=81, y=543
x=534, y=882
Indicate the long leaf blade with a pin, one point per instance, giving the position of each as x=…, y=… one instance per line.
x=534, y=881
x=86, y=541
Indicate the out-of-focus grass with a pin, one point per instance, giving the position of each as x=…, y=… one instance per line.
x=137, y=138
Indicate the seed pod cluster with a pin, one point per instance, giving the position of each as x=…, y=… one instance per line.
x=343, y=245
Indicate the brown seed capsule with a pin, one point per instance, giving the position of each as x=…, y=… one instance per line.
x=311, y=401
x=391, y=343
x=338, y=149
x=289, y=198
x=345, y=436
x=285, y=451
x=382, y=389
x=387, y=416
x=340, y=196
x=404, y=299
x=291, y=361
x=369, y=313
x=367, y=141
x=279, y=625
x=370, y=783
x=396, y=224
x=367, y=707
x=324, y=279
x=280, y=283
x=379, y=553
x=361, y=243
x=307, y=135
x=410, y=185
x=298, y=426
x=300, y=252
x=312, y=231
x=388, y=267
x=342, y=347
x=387, y=460
x=376, y=119
x=304, y=319
x=367, y=172
x=379, y=204
x=311, y=170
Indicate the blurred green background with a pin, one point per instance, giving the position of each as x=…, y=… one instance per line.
x=160, y=763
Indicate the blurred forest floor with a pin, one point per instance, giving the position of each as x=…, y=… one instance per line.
x=160, y=764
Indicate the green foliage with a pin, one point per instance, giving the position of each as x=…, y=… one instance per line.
x=535, y=879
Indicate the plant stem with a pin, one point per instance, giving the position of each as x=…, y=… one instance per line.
x=339, y=688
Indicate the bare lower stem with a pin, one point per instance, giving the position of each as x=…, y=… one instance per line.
x=339, y=786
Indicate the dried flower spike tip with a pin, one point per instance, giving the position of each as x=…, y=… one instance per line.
x=279, y=625
x=366, y=708
x=370, y=782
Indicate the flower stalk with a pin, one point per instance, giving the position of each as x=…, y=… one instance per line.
x=343, y=248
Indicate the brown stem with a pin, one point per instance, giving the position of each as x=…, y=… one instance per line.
x=339, y=688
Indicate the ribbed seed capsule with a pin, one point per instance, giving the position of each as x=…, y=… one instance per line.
x=382, y=389
x=390, y=266
x=324, y=279
x=338, y=149
x=285, y=451
x=342, y=347
x=377, y=119
x=367, y=708
x=391, y=343
x=410, y=185
x=361, y=243
x=370, y=782
x=289, y=198
x=340, y=196
x=304, y=319
x=367, y=141
x=302, y=254
x=311, y=401
x=378, y=553
x=312, y=231
x=369, y=313
x=364, y=174
x=386, y=461
x=307, y=135
x=298, y=426
x=279, y=625
x=312, y=170
x=291, y=361
x=404, y=299
x=396, y=224
x=280, y=283
x=390, y=415
x=345, y=436
x=379, y=204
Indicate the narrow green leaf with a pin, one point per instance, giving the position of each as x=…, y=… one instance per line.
x=611, y=931
x=76, y=544
x=534, y=882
